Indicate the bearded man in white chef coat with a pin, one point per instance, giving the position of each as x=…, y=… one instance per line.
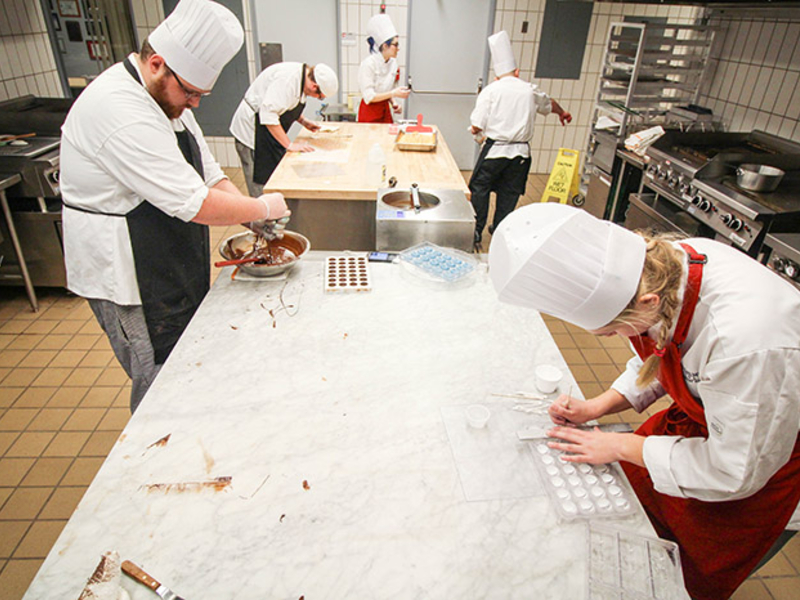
x=503, y=120
x=140, y=188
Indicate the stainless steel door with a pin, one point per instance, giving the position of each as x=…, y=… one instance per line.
x=447, y=57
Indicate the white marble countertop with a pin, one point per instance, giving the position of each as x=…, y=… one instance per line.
x=335, y=416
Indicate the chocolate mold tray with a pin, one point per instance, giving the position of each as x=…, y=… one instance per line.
x=581, y=490
x=347, y=273
x=624, y=565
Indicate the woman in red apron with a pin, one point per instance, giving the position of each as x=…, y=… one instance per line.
x=379, y=75
x=718, y=472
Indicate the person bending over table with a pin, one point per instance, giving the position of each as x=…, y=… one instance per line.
x=718, y=472
x=272, y=103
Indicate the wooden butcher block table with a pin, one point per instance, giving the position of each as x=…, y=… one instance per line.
x=332, y=191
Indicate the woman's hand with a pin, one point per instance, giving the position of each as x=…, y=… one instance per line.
x=566, y=410
x=596, y=447
x=400, y=92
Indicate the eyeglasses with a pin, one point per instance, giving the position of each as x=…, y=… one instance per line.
x=190, y=94
x=317, y=89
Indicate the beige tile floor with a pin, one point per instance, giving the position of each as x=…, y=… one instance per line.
x=64, y=402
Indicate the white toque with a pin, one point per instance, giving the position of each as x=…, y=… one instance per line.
x=564, y=262
x=502, y=55
x=381, y=29
x=326, y=79
x=197, y=40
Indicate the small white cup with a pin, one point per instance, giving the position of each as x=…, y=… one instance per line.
x=477, y=415
x=547, y=378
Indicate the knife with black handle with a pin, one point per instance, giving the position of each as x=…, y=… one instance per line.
x=139, y=575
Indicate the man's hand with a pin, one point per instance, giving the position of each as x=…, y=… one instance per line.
x=310, y=125
x=565, y=117
x=300, y=147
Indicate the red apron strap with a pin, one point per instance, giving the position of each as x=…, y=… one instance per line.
x=670, y=373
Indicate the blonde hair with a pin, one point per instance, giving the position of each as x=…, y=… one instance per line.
x=661, y=275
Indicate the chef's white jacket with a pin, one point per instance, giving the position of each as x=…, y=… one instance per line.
x=118, y=148
x=505, y=111
x=376, y=76
x=275, y=91
x=742, y=360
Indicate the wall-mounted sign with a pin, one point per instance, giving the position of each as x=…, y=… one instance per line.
x=69, y=8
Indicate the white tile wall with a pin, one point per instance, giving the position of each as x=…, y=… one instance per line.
x=27, y=65
x=756, y=73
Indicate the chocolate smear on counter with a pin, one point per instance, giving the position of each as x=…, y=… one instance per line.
x=217, y=484
x=305, y=485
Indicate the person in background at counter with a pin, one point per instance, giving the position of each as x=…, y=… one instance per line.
x=140, y=188
x=503, y=120
x=718, y=472
x=379, y=74
x=272, y=103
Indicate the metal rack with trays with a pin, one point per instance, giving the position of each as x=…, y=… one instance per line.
x=648, y=68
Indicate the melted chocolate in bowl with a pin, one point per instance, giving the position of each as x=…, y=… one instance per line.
x=274, y=257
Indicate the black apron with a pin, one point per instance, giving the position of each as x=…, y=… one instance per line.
x=172, y=259
x=270, y=151
x=522, y=179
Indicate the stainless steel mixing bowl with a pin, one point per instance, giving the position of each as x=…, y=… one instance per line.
x=241, y=243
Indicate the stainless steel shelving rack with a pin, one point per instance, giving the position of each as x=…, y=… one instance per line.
x=647, y=69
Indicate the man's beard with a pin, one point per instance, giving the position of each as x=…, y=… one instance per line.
x=158, y=90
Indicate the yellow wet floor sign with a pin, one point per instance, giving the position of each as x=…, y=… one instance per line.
x=564, y=180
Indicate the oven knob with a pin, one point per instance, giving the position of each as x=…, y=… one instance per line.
x=778, y=264
x=662, y=174
x=704, y=205
x=652, y=170
x=674, y=180
x=55, y=176
x=684, y=189
x=732, y=222
x=791, y=270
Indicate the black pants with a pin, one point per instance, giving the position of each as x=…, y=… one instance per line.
x=506, y=177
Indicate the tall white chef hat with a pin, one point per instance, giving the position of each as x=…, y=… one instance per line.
x=326, y=79
x=381, y=29
x=564, y=262
x=197, y=39
x=502, y=55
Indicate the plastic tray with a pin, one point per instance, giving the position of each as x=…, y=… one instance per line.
x=581, y=490
x=625, y=565
x=347, y=273
x=439, y=264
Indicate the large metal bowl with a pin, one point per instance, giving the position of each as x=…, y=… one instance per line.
x=293, y=244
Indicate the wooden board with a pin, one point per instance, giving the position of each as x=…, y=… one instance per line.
x=302, y=176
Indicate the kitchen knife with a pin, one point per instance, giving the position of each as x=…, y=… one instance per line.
x=139, y=575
